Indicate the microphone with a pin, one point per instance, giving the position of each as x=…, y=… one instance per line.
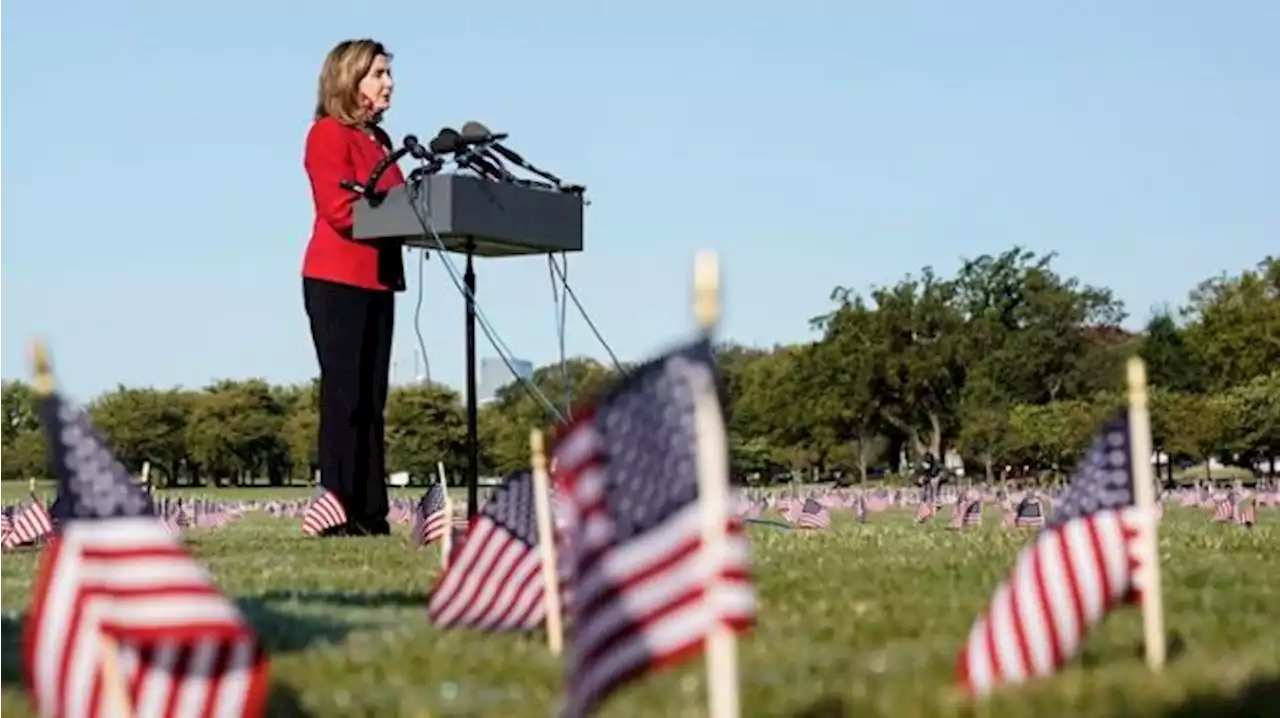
x=416, y=150
x=476, y=160
x=476, y=132
x=384, y=164
x=448, y=141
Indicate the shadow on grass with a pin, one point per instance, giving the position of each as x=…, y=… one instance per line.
x=399, y=599
x=769, y=523
x=287, y=632
x=825, y=707
x=10, y=653
x=283, y=702
x=1175, y=648
x=1260, y=697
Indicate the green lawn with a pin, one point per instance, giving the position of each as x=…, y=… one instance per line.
x=856, y=621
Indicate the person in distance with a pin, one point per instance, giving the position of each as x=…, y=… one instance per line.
x=349, y=286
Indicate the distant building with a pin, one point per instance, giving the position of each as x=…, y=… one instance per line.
x=494, y=375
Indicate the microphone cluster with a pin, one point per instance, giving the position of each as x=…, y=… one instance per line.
x=473, y=148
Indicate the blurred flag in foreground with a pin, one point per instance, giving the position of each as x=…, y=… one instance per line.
x=120, y=614
x=644, y=594
x=1081, y=565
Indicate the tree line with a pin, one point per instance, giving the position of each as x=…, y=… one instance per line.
x=1006, y=362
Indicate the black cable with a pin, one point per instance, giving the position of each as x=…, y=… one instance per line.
x=417, y=320
x=504, y=352
x=581, y=310
x=560, y=306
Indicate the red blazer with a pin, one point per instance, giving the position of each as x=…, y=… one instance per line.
x=336, y=152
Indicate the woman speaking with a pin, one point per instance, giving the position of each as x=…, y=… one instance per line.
x=349, y=287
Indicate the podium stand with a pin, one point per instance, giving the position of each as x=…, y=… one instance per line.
x=473, y=217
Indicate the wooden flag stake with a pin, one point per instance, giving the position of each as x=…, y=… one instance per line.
x=546, y=544
x=713, y=502
x=41, y=369
x=446, y=541
x=1144, y=498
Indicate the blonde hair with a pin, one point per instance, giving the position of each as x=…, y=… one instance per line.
x=338, y=95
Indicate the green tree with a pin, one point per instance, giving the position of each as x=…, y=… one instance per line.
x=1171, y=360
x=505, y=423
x=25, y=457
x=18, y=403
x=838, y=379
x=426, y=424
x=1235, y=325
x=301, y=429
x=1035, y=329
x=1055, y=435
x=1200, y=426
x=235, y=431
x=921, y=334
x=144, y=425
x=985, y=433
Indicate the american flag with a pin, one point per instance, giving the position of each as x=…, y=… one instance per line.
x=1079, y=567
x=645, y=595
x=494, y=581
x=429, y=517
x=811, y=515
x=29, y=526
x=323, y=514
x=1226, y=509
x=1029, y=513
x=965, y=513
x=399, y=512
x=114, y=579
x=1248, y=514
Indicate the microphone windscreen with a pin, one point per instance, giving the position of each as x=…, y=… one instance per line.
x=447, y=140
x=475, y=131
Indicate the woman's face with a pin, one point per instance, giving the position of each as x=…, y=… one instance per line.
x=376, y=86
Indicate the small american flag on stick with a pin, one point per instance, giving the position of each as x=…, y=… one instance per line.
x=1082, y=565
x=494, y=581
x=1225, y=511
x=29, y=526
x=122, y=620
x=1248, y=513
x=324, y=514
x=644, y=593
x=429, y=517
x=1029, y=513
x=811, y=515
x=924, y=511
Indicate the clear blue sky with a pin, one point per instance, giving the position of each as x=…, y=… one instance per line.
x=155, y=207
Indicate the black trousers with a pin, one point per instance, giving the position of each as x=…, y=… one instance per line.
x=352, y=329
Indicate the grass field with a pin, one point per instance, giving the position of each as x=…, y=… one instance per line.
x=854, y=621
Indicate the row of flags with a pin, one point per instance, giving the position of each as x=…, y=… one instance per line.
x=966, y=510
x=119, y=600
x=643, y=562
x=647, y=557
x=638, y=598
